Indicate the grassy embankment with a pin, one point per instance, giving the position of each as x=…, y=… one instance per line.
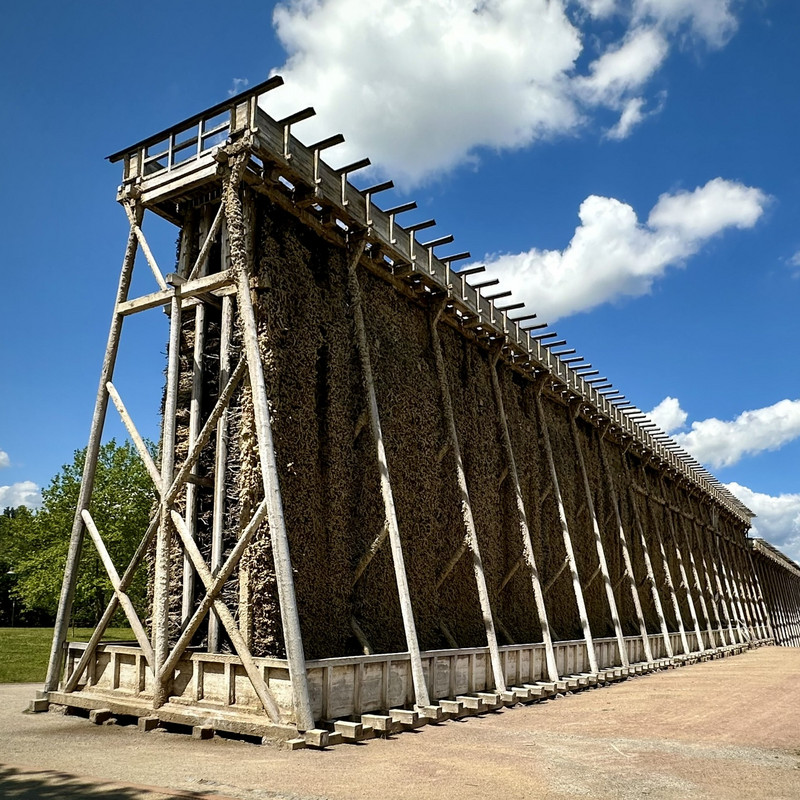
x=24, y=652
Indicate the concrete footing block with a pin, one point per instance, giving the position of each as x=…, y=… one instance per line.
x=147, y=724
x=38, y=705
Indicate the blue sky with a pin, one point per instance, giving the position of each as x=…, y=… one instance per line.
x=629, y=168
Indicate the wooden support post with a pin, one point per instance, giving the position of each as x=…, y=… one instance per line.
x=470, y=533
x=64, y=611
x=421, y=696
x=626, y=556
x=730, y=588
x=562, y=516
x=220, y=462
x=651, y=577
x=524, y=530
x=598, y=540
x=750, y=594
x=738, y=586
x=733, y=633
x=695, y=536
x=760, y=595
x=162, y=568
x=667, y=574
x=698, y=586
x=682, y=569
x=293, y=641
x=778, y=617
x=195, y=407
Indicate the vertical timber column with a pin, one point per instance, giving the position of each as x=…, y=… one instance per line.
x=64, y=611
x=290, y=618
x=651, y=577
x=681, y=569
x=667, y=574
x=161, y=573
x=471, y=534
x=698, y=585
x=731, y=590
x=598, y=539
x=524, y=530
x=760, y=595
x=187, y=597
x=778, y=616
x=735, y=634
x=562, y=516
x=788, y=589
x=745, y=569
x=692, y=537
x=421, y=695
x=738, y=586
x=626, y=556
x=220, y=464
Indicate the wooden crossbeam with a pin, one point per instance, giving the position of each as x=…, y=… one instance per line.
x=228, y=622
x=194, y=288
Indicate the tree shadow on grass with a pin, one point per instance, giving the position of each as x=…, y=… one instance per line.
x=20, y=784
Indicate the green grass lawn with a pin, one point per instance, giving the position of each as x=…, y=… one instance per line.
x=24, y=652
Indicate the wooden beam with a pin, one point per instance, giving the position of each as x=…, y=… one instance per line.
x=392, y=527
x=67, y=595
x=562, y=516
x=522, y=525
x=651, y=577
x=626, y=556
x=163, y=567
x=598, y=541
x=468, y=521
x=304, y=718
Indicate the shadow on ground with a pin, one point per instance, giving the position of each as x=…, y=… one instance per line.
x=17, y=784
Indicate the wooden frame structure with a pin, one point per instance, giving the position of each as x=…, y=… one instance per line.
x=652, y=508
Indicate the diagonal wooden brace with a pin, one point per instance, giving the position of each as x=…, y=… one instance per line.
x=205, y=249
x=227, y=620
x=145, y=248
x=138, y=442
x=220, y=578
x=371, y=553
x=122, y=597
x=177, y=484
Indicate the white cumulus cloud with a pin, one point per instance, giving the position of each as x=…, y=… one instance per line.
x=721, y=443
x=416, y=86
x=668, y=415
x=24, y=493
x=777, y=517
x=612, y=254
x=710, y=20
x=421, y=86
x=4, y=459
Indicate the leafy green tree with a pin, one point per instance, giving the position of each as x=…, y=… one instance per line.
x=122, y=501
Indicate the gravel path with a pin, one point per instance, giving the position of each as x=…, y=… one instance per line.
x=720, y=729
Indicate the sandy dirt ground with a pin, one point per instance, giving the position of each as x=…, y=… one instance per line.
x=720, y=729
